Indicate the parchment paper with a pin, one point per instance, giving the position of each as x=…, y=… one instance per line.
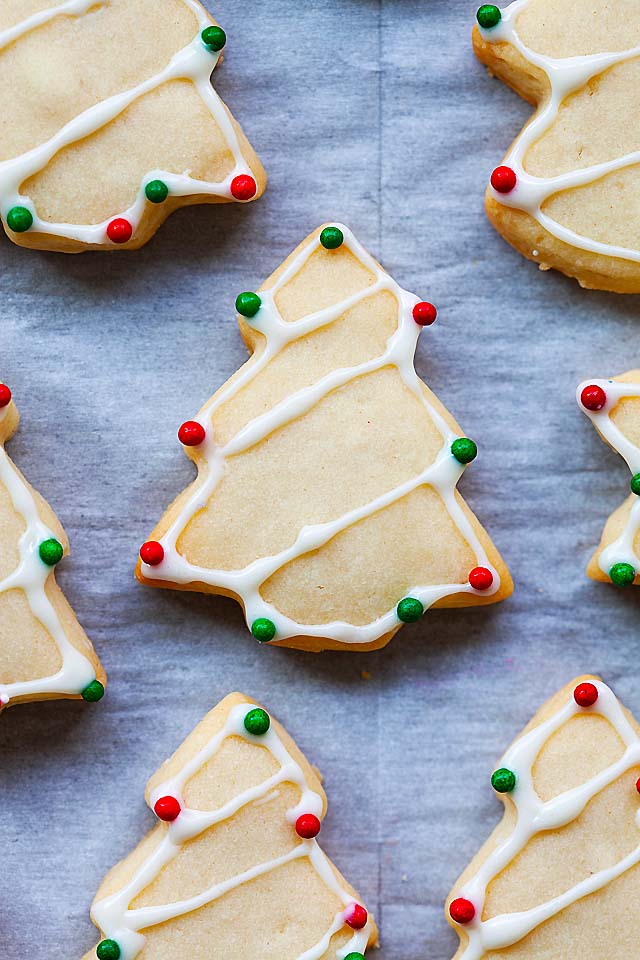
x=373, y=112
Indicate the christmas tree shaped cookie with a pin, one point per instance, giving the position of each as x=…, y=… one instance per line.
x=563, y=193
x=44, y=652
x=559, y=878
x=233, y=867
x=326, y=498
x=613, y=406
x=110, y=121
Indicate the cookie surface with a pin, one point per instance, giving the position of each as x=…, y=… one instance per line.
x=613, y=406
x=563, y=194
x=44, y=652
x=233, y=868
x=111, y=121
x=557, y=876
x=326, y=498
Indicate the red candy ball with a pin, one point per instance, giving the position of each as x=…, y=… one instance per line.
x=191, y=433
x=5, y=395
x=503, y=179
x=480, y=578
x=167, y=809
x=424, y=314
x=152, y=553
x=593, y=397
x=637, y=784
x=243, y=187
x=119, y=231
x=585, y=694
x=462, y=911
x=307, y=826
x=357, y=918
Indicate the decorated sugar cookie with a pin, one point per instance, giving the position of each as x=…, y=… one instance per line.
x=44, y=652
x=559, y=876
x=233, y=867
x=613, y=406
x=110, y=121
x=326, y=498
x=565, y=190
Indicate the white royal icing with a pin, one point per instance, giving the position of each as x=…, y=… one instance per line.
x=622, y=550
x=443, y=475
x=535, y=816
x=119, y=922
x=566, y=76
x=195, y=62
x=30, y=576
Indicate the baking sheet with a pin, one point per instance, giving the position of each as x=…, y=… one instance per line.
x=373, y=112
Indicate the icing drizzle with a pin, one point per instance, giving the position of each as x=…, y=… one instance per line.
x=119, y=922
x=442, y=475
x=535, y=816
x=30, y=576
x=566, y=76
x=194, y=62
x=622, y=549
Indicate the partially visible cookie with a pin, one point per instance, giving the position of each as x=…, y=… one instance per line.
x=558, y=877
x=566, y=187
x=613, y=406
x=233, y=867
x=110, y=121
x=44, y=652
x=326, y=500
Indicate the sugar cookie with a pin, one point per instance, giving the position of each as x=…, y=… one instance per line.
x=563, y=193
x=44, y=652
x=233, y=867
x=326, y=499
x=558, y=877
x=613, y=406
x=110, y=121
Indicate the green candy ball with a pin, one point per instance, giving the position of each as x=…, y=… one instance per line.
x=94, y=692
x=355, y=956
x=622, y=574
x=263, y=630
x=635, y=484
x=248, y=304
x=489, y=16
x=50, y=552
x=409, y=610
x=156, y=191
x=19, y=219
x=214, y=37
x=503, y=780
x=108, y=950
x=464, y=450
x=257, y=722
x=331, y=238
